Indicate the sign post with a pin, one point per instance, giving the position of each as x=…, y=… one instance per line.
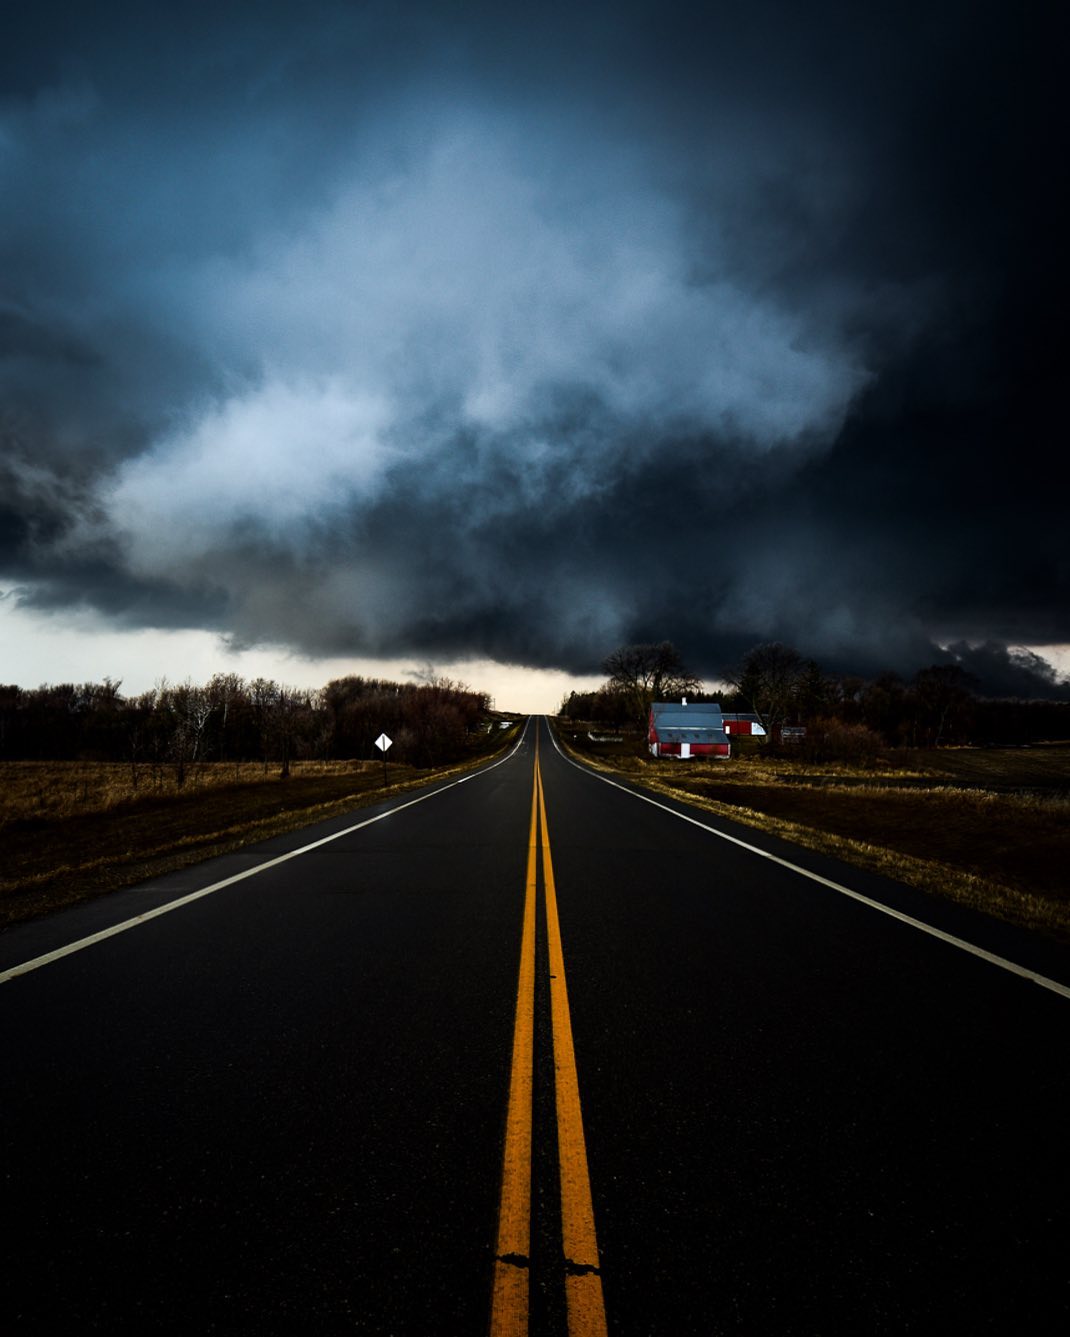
x=382, y=743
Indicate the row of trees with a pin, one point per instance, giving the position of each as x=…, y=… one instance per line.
x=230, y=719
x=940, y=704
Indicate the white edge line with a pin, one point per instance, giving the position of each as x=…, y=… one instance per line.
x=38, y=961
x=961, y=943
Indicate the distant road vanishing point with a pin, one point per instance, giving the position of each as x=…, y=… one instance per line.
x=529, y=1051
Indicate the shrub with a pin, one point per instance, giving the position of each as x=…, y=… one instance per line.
x=830, y=739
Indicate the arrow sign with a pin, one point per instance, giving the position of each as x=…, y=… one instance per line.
x=382, y=743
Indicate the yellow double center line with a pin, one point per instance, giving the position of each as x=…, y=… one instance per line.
x=583, y=1285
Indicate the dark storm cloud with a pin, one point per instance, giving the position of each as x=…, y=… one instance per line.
x=449, y=330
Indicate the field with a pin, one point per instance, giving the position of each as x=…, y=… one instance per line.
x=989, y=827
x=72, y=830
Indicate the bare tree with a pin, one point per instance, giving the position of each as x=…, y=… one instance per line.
x=225, y=691
x=290, y=709
x=646, y=673
x=943, y=693
x=189, y=709
x=263, y=694
x=769, y=681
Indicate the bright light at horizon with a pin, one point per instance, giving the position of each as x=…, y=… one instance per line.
x=82, y=647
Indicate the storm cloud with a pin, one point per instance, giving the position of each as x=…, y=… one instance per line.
x=446, y=331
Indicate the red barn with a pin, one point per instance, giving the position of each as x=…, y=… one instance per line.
x=743, y=724
x=679, y=730
x=676, y=729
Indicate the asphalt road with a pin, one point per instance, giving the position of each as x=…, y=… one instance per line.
x=283, y=1107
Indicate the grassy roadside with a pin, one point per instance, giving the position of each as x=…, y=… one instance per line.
x=989, y=828
x=70, y=831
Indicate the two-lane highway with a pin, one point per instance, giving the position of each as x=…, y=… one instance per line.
x=530, y=1053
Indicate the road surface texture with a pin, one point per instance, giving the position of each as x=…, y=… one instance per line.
x=531, y=1053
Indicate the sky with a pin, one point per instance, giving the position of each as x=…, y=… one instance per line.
x=483, y=339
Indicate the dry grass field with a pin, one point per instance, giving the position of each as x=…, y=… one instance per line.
x=989, y=827
x=72, y=830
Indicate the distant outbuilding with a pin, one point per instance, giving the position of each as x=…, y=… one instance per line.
x=678, y=730
x=750, y=725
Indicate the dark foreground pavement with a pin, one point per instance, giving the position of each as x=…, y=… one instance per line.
x=280, y=1108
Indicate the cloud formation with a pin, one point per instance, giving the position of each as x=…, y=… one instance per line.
x=450, y=332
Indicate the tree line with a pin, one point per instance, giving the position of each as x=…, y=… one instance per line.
x=938, y=705
x=230, y=719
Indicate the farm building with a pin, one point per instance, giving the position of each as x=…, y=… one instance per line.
x=748, y=725
x=678, y=730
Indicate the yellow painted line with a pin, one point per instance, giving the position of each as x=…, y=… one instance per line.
x=583, y=1284
x=512, y=1263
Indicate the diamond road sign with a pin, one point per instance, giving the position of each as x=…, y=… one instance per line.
x=382, y=742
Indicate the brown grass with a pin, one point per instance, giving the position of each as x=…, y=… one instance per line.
x=989, y=828
x=73, y=830
x=61, y=789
